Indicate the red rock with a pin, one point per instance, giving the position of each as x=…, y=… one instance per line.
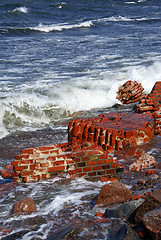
x=24, y=206
x=151, y=202
x=114, y=192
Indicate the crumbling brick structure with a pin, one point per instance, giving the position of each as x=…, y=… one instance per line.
x=113, y=131
x=90, y=140
x=79, y=159
x=151, y=104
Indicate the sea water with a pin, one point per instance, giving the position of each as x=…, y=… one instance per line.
x=58, y=59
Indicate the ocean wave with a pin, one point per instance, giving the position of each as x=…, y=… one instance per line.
x=60, y=27
x=122, y=19
x=49, y=103
x=21, y=9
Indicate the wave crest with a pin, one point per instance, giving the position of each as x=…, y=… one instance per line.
x=60, y=27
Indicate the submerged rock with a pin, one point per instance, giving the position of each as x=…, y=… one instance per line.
x=26, y=205
x=114, y=192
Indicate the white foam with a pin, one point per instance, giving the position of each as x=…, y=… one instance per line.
x=60, y=27
x=21, y=9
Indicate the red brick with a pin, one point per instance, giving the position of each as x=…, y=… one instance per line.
x=91, y=163
x=26, y=173
x=95, y=168
x=19, y=168
x=114, y=165
x=88, y=152
x=55, y=169
x=100, y=162
x=34, y=166
x=92, y=174
x=54, y=151
x=110, y=171
x=26, y=162
x=44, y=165
x=51, y=158
x=103, y=156
x=27, y=150
x=82, y=174
x=87, y=169
x=14, y=163
x=85, y=159
x=45, y=148
x=79, y=154
x=58, y=163
x=78, y=170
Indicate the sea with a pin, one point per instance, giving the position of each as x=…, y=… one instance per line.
x=61, y=60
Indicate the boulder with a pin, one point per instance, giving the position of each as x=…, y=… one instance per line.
x=114, y=192
x=152, y=221
x=26, y=205
x=123, y=232
x=144, y=161
x=151, y=202
x=124, y=210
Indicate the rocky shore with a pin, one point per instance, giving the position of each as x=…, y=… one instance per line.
x=110, y=148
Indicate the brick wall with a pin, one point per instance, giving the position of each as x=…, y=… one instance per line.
x=79, y=159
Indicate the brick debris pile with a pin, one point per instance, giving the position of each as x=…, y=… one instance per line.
x=130, y=92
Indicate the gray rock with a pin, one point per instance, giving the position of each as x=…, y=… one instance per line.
x=124, y=232
x=124, y=210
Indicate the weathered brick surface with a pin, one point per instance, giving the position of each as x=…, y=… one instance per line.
x=113, y=131
x=130, y=92
x=151, y=104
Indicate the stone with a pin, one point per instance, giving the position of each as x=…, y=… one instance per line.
x=124, y=210
x=152, y=221
x=144, y=161
x=114, y=192
x=123, y=232
x=26, y=206
x=151, y=202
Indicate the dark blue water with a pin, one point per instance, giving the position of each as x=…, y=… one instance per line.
x=58, y=58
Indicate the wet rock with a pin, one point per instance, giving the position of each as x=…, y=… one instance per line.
x=61, y=233
x=26, y=205
x=144, y=161
x=130, y=92
x=114, y=192
x=17, y=235
x=123, y=232
x=151, y=202
x=124, y=210
x=152, y=221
